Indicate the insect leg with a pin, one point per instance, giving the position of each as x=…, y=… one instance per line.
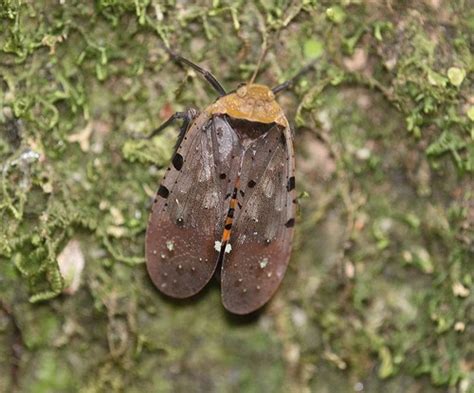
x=187, y=117
x=206, y=74
x=289, y=83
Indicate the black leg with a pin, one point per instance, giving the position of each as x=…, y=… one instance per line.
x=207, y=75
x=290, y=82
x=187, y=117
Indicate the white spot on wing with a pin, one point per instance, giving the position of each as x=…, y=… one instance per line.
x=268, y=186
x=210, y=199
x=170, y=245
x=204, y=173
x=218, y=247
x=252, y=210
x=225, y=146
x=270, y=231
x=206, y=169
x=280, y=199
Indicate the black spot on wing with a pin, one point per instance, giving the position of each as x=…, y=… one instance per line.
x=163, y=192
x=290, y=223
x=178, y=161
x=222, y=176
x=251, y=184
x=291, y=183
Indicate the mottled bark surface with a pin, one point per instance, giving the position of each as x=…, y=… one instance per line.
x=379, y=293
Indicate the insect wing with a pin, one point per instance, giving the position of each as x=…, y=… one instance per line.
x=263, y=230
x=189, y=210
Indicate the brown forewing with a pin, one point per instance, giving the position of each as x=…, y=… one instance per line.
x=263, y=229
x=190, y=206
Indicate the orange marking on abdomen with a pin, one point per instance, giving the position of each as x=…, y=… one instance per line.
x=225, y=236
x=230, y=213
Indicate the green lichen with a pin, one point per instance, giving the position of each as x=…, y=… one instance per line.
x=379, y=293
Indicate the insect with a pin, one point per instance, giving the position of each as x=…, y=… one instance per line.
x=227, y=199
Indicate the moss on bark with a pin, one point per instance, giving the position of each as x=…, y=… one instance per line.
x=379, y=294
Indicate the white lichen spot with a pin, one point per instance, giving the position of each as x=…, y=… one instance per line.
x=299, y=317
x=228, y=248
x=29, y=156
x=193, y=268
x=170, y=245
x=71, y=262
x=363, y=154
x=460, y=290
x=269, y=274
x=163, y=256
x=155, y=252
x=174, y=281
x=258, y=287
x=240, y=280
x=200, y=259
x=165, y=274
x=244, y=290
x=163, y=285
x=180, y=266
x=263, y=263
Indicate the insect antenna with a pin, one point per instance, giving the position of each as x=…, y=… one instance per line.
x=290, y=82
x=205, y=73
x=260, y=60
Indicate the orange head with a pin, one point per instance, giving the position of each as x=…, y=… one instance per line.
x=250, y=102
